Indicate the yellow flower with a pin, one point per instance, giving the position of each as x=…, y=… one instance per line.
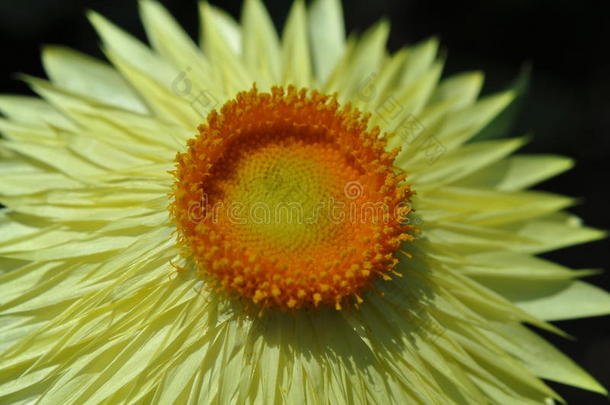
x=149, y=253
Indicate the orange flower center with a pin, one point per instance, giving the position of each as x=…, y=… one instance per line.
x=289, y=201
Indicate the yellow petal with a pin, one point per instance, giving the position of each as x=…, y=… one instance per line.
x=463, y=161
x=261, y=45
x=519, y=172
x=20, y=109
x=296, y=60
x=541, y=358
x=461, y=89
x=364, y=65
x=88, y=77
x=327, y=35
x=226, y=65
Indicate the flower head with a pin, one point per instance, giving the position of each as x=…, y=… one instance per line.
x=289, y=201
x=152, y=202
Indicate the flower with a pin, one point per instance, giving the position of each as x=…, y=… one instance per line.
x=123, y=283
x=347, y=216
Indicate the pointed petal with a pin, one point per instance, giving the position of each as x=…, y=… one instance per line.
x=464, y=161
x=505, y=264
x=554, y=231
x=471, y=206
x=20, y=109
x=88, y=77
x=364, y=65
x=461, y=89
x=431, y=143
x=226, y=65
x=174, y=45
x=132, y=51
x=327, y=33
x=421, y=56
x=296, y=59
x=228, y=29
x=261, y=44
x=541, y=358
x=518, y=172
x=561, y=300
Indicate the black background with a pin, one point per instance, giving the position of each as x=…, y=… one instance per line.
x=567, y=107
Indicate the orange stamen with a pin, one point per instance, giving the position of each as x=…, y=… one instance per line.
x=290, y=201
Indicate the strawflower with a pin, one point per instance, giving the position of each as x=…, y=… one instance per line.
x=264, y=220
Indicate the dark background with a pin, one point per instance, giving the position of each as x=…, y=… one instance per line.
x=567, y=106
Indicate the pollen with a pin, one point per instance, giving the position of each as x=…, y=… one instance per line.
x=289, y=200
